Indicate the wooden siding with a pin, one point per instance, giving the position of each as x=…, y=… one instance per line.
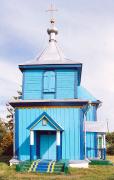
x=48, y=95
x=65, y=85
x=91, y=137
x=68, y=118
x=91, y=113
x=32, y=84
x=65, y=82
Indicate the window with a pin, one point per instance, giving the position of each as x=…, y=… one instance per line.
x=44, y=122
x=49, y=81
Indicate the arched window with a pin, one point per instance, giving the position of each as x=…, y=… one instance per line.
x=49, y=81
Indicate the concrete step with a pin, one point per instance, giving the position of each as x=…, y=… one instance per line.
x=79, y=163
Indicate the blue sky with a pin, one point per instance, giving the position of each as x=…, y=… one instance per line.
x=86, y=34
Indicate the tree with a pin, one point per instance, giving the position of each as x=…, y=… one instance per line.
x=2, y=130
x=11, y=111
x=110, y=143
x=6, y=131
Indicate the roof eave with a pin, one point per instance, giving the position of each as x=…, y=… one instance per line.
x=48, y=103
x=35, y=66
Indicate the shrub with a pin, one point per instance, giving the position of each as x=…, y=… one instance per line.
x=110, y=149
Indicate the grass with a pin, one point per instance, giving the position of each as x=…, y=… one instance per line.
x=111, y=158
x=92, y=173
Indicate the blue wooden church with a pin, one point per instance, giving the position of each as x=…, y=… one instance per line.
x=56, y=118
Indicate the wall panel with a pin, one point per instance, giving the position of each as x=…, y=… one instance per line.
x=68, y=118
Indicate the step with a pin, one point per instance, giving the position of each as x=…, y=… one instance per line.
x=58, y=169
x=41, y=170
x=59, y=166
x=42, y=166
x=79, y=163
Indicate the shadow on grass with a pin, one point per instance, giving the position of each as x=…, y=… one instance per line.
x=5, y=159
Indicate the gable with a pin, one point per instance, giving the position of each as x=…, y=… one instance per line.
x=39, y=126
x=50, y=123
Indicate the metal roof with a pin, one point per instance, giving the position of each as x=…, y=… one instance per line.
x=96, y=126
x=53, y=53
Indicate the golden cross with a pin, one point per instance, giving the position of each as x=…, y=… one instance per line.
x=51, y=10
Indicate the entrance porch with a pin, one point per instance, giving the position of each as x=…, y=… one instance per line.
x=45, y=139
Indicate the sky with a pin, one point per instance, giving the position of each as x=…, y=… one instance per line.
x=86, y=34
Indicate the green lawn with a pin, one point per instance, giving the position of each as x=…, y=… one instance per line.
x=92, y=173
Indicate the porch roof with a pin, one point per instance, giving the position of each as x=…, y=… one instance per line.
x=51, y=124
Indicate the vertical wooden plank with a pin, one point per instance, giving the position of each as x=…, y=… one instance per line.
x=32, y=84
x=76, y=133
x=81, y=135
x=71, y=133
x=67, y=138
x=20, y=135
x=65, y=84
x=75, y=84
x=17, y=132
x=23, y=85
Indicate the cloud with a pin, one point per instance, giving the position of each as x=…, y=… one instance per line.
x=10, y=81
x=85, y=34
x=9, y=71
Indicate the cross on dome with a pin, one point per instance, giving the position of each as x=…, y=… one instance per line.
x=52, y=31
x=51, y=10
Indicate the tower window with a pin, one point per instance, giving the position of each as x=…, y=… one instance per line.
x=49, y=81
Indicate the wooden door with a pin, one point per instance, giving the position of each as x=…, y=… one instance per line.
x=48, y=146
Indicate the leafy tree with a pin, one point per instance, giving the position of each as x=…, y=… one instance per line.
x=6, y=144
x=110, y=143
x=11, y=112
x=6, y=131
x=2, y=130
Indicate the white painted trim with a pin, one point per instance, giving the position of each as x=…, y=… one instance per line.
x=31, y=137
x=58, y=138
x=104, y=141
